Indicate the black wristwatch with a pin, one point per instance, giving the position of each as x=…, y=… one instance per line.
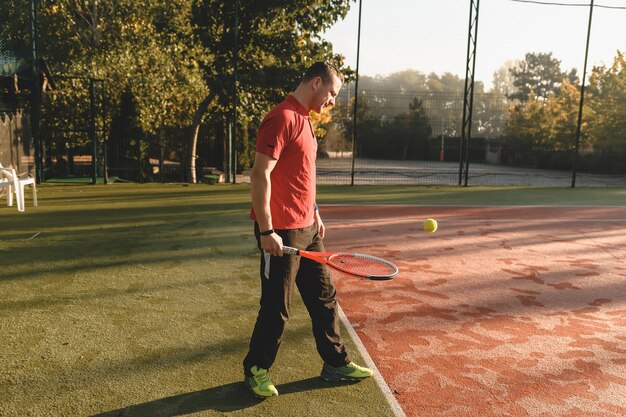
x=267, y=232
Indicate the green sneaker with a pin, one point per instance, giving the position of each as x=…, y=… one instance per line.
x=260, y=384
x=349, y=372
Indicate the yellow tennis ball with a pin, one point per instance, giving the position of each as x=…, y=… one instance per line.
x=430, y=225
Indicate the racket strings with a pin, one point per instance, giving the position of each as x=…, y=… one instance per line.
x=363, y=265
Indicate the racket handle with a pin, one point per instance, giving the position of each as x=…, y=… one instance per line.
x=290, y=251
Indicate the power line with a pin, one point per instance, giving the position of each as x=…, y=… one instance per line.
x=547, y=3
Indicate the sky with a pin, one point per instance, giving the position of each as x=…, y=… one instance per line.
x=431, y=35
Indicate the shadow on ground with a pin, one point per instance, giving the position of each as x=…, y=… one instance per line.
x=225, y=398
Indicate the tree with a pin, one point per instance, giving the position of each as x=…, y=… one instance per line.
x=528, y=123
x=547, y=128
x=139, y=47
x=405, y=137
x=503, y=79
x=15, y=28
x=407, y=80
x=276, y=41
x=489, y=115
x=607, y=118
x=538, y=72
x=176, y=57
x=447, y=83
x=417, y=129
x=563, y=112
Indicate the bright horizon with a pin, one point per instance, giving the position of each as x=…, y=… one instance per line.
x=394, y=35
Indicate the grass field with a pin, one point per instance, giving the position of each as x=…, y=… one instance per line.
x=139, y=300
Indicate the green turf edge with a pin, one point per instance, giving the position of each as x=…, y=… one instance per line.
x=453, y=195
x=139, y=300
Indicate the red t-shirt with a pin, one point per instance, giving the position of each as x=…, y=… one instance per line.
x=286, y=134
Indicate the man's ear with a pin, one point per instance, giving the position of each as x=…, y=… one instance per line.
x=317, y=81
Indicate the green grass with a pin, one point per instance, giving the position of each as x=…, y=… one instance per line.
x=79, y=180
x=448, y=195
x=139, y=300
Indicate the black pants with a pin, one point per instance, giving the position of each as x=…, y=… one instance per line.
x=315, y=285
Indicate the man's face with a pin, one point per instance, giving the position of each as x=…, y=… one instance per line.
x=325, y=94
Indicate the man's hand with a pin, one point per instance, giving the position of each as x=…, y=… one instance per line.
x=321, y=229
x=272, y=244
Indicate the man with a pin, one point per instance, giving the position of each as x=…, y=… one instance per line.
x=284, y=210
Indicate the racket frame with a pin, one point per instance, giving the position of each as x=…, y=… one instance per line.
x=325, y=258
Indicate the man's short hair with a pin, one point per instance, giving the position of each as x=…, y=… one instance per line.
x=324, y=70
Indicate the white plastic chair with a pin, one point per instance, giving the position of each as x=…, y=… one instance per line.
x=5, y=188
x=15, y=184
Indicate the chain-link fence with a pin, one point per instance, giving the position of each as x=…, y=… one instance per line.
x=16, y=147
x=401, y=138
x=398, y=136
x=414, y=138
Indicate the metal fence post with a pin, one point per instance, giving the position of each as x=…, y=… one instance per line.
x=92, y=131
x=356, y=97
x=468, y=99
x=582, y=99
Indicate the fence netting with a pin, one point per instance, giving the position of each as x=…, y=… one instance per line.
x=405, y=137
x=406, y=128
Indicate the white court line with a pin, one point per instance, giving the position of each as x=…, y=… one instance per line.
x=393, y=403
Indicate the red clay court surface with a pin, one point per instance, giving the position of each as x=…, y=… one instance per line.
x=505, y=311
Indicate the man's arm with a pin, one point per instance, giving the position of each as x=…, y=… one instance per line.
x=261, y=193
x=321, y=229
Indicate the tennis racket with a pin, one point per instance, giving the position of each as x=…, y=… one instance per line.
x=357, y=264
